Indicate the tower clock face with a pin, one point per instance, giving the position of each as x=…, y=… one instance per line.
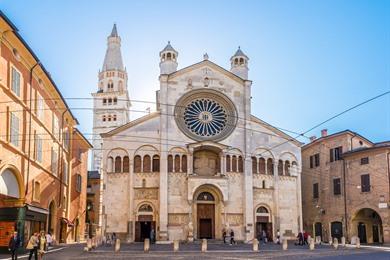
x=205, y=115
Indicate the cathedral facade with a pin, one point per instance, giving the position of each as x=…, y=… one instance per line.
x=200, y=164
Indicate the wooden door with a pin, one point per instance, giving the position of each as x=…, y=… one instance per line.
x=137, y=231
x=206, y=220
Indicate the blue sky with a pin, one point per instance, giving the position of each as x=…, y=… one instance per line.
x=309, y=60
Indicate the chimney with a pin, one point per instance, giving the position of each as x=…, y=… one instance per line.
x=312, y=138
x=324, y=132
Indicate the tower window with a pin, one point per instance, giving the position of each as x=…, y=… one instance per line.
x=236, y=61
x=173, y=56
x=104, y=118
x=241, y=61
x=114, y=118
x=110, y=86
x=110, y=101
x=168, y=56
x=109, y=118
x=115, y=101
x=104, y=101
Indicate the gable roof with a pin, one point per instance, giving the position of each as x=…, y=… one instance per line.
x=275, y=130
x=130, y=124
x=210, y=64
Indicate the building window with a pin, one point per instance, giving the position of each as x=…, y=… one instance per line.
x=109, y=118
x=287, y=168
x=114, y=118
x=262, y=166
x=38, y=148
x=177, y=163
x=280, y=167
x=54, y=161
x=146, y=163
x=315, y=160
x=315, y=191
x=110, y=101
x=115, y=101
x=156, y=163
x=365, y=182
x=126, y=164
x=184, y=163
x=335, y=153
x=254, y=165
x=240, y=164
x=234, y=163
x=104, y=118
x=364, y=161
x=104, y=101
x=137, y=163
x=337, y=186
x=36, y=191
x=118, y=164
x=270, y=166
x=15, y=84
x=78, y=183
x=228, y=163
x=14, y=129
x=170, y=163
x=41, y=107
x=55, y=126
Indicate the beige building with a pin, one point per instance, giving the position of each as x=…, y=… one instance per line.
x=345, y=187
x=201, y=163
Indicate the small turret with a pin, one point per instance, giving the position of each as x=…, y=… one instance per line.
x=239, y=64
x=168, y=59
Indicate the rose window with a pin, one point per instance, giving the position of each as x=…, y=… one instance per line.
x=205, y=115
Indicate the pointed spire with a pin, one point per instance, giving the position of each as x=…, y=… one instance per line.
x=168, y=48
x=239, y=52
x=114, y=32
x=113, y=58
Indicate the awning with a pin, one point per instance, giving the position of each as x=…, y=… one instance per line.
x=37, y=209
x=68, y=222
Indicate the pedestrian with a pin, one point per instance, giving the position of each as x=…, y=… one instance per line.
x=278, y=237
x=13, y=245
x=113, y=238
x=300, y=239
x=264, y=237
x=32, y=245
x=232, y=241
x=224, y=236
x=41, y=244
x=49, y=240
x=152, y=235
x=305, y=236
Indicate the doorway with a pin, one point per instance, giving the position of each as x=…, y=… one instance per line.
x=318, y=229
x=375, y=233
x=336, y=229
x=362, y=234
x=263, y=223
x=145, y=223
x=206, y=215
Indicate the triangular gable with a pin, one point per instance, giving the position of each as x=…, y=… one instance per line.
x=131, y=124
x=210, y=64
x=275, y=130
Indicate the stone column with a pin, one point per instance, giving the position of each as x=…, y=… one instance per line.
x=248, y=186
x=276, y=199
x=190, y=164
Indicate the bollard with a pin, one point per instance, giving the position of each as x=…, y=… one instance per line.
x=312, y=245
x=342, y=241
x=335, y=243
x=358, y=242
x=204, y=245
x=255, y=245
x=146, y=245
x=175, y=245
x=117, y=245
x=89, y=244
x=285, y=245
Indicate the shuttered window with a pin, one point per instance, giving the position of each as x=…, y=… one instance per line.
x=14, y=129
x=54, y=161
x=15, y=84
x=337, y=186
x=365, y=182
x=38, y=147
x=335, y=153
x=315, y=191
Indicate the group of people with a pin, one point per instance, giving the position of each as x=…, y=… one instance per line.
x=302, y=238
x=224, y=235
x=37, y=245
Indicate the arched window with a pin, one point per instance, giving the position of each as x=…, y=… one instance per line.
x=110, y=163
x=262, y=165
x=263, y=184
x=156, y=163
x=184, y=163
x=280, y=167
x=262, y=210
x=270, y=166
x=113, y=117
x=170, y=163
x=163, y=57
x=236, y=61
x=137, y=163
x=146, y=163
x=104, y=118
x=177, y=163
x=126, y=164
x=241, y=61
x=110, y=101
x=104, y=101
x=287, y=168
x=228, y=163
x=205, y=196
x=109, y=118
x=118, y=164
x=145, y=208
x=115, y=101
x=173, y=56
x=9, y=184
x=254, y=165
x=234, y=163
x=240, y=164
x=168, y=56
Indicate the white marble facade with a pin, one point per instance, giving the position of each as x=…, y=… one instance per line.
x=201, y=163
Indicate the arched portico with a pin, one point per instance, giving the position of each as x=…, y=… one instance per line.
x=367, y=225
x=146, y=220
x=207, y=208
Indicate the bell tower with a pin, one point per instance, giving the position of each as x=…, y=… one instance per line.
x=111, y=102
x=168, y=59
x=239, y=64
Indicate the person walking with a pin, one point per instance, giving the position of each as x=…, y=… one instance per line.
x=41, y=244
x=264, y=237
x=224, y=236
x=49, y=240
x=13, y=245
x=232, y=241
x=305, y=237
x=278, y=237
x=152, y=235
x=113, y=238
x=32, y=245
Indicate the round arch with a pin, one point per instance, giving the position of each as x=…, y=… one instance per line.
x=264, y=221
x=263, y=152
x=367, y=224
x=13, y=175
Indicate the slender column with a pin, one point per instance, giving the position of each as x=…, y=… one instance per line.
x=190, y=163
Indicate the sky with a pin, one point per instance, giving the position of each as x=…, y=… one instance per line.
x=309, y=60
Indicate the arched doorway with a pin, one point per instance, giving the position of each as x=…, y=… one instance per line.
x=367, y=225
x=51, y=218
x=145, y=222
x=207, y=212
x=336, y=230
x=263, y=223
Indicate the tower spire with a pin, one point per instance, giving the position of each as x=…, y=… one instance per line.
x=113, y=58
